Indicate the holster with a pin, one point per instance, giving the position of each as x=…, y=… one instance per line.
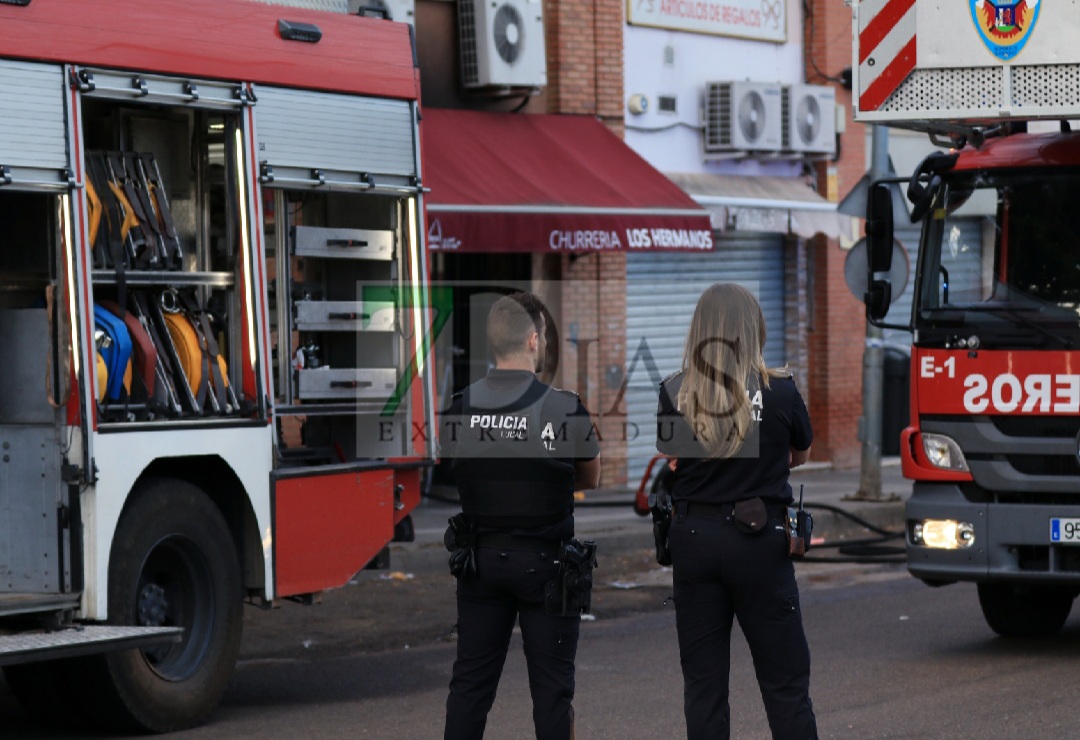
x=570, y=591
x=460, y=541
x=660, y=507
x=799, y=525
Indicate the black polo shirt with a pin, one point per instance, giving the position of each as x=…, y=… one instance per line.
x=566, y=431
x=759, y=468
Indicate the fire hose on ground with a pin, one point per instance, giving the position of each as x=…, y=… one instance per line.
x=863, y=550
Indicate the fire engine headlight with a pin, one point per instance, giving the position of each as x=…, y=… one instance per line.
x=943, y=534
x=943, y=452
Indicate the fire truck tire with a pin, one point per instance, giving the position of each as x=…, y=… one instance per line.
x=1022, y=610
x=173, y=563
x=405, y=530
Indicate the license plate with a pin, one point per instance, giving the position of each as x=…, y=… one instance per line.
x=1065, y=531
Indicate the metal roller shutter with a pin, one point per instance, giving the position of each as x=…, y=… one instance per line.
x=111, y=84
x=355, y=135
x=33, y=128
x=661, y=292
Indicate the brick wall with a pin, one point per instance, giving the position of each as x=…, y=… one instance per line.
x=837, y=325
x=593, y=352
x=585, y=58
x=585, y=77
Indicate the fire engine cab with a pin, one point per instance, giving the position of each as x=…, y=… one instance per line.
x=994, y=442
x=213, y=318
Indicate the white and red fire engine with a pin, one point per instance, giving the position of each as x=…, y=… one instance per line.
x=213, y=319
x=994, y=441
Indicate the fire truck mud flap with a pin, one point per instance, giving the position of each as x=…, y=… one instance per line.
x=349, y=510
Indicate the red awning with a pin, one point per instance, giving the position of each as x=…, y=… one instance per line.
x=504, y=182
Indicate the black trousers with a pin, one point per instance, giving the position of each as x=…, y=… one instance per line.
x=509, y=586
x=722, y=573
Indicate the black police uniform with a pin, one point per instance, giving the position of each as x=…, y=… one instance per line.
x=515, y=441
x=722, y=572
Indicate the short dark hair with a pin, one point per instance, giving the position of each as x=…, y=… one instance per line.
x=511, y=320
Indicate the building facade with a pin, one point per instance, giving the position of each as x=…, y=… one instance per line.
x=654, y=79
x=706, y=96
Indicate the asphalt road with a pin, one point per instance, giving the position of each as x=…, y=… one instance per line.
x=892, y=658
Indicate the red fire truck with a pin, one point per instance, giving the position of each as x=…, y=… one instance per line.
x=215, y=382
x=993, y=445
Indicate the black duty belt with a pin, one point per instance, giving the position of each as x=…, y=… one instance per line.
x=725, y=510
x=504, y=541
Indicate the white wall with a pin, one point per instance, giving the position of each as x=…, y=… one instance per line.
x=672, y=142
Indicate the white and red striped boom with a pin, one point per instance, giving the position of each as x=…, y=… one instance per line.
x=925, y=65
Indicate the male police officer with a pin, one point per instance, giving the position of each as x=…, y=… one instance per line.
x=521, y=448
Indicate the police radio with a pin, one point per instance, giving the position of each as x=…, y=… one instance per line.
x=799, y=527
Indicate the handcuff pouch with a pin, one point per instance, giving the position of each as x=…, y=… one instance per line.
x=750, y=515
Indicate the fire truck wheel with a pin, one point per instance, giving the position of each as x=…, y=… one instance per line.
x=1022, y=610
x=173, y=563
x=405, y=530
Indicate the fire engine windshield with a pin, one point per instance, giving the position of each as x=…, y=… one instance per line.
x=1003, y=257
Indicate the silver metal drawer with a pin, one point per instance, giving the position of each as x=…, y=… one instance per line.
x=312, y=241
x=326, y=383
x=344, y=316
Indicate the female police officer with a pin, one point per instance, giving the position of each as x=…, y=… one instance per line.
x=735, y=428
x=521, y=448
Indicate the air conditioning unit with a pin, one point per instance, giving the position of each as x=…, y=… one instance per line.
x=809, y=113
x=742, y=117
x=395, y=10
x=502, y=43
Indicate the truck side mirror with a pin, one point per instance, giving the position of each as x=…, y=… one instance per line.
x=879, y=250
x=925, y=182
x=877, y=299
x=879, y=229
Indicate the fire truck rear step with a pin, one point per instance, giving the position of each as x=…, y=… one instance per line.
x=83, y=640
